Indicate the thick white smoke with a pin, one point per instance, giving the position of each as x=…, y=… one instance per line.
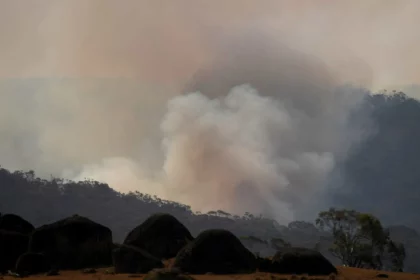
x=224, y=153
x=238, y=152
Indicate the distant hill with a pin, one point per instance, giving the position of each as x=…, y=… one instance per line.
x=44, y=201
x=381, y=175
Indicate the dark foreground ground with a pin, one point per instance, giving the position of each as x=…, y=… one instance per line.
x=345, y=273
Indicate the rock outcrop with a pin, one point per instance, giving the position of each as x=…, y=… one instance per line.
x=15, y=223
x=295, y=260
x=73, y=243
x=12, y=245
x=129, y=259
x=162, y=235
x=32, y=263
x=215, y=251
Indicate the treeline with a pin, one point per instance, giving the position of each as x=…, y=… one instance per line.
x=356, y=239
x=43, y=201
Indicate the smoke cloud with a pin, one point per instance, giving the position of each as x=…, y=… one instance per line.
x=267, y=146
x=239, y=107
x=236, y=153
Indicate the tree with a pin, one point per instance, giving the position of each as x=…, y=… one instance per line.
x=396, y=252
x=221, y=213
x=359, y=238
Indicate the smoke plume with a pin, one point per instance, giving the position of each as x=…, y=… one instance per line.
x=236, y=153
x=237, y=106
x=261, y=132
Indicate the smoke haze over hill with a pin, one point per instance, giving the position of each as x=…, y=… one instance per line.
x=240, y=107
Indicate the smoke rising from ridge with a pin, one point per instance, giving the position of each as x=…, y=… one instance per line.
x=227, y=153
x=185, y=99
x=266, y=147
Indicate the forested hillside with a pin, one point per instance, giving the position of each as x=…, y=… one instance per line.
x=382, y=174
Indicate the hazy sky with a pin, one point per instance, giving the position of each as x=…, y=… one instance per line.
x=373, y=42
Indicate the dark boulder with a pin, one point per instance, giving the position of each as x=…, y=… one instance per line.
x=12, y=222
x=74, y=243
x=216, y=251
x=32, y=263
x=264, y=264
x=129, y=259
x=12, y=245
x=162, y=235
x=298, y=261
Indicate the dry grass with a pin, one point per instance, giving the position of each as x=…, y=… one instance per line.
x=345, y=273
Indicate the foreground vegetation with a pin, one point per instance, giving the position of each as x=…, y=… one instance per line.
x=360, y=240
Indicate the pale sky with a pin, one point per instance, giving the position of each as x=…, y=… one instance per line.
x=371, y=42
